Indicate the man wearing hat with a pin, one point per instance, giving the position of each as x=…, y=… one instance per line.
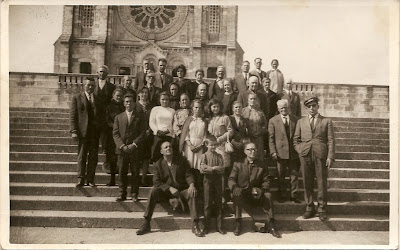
x=314, y=140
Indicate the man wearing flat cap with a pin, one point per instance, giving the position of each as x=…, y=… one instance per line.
x=314, y=140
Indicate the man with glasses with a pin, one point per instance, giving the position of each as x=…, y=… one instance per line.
x=250, y=187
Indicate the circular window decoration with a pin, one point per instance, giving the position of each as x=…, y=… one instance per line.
x=157, y=21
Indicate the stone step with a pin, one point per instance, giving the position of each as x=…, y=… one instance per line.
x=66, y=133
x=335, y=172
x=73, y=203
x=35, y=114
x=46, y=156
x=352, y=119
x=24, y=147
x=362, y=156
x=370, y=164
x=103, y=178
x=165, y=221
x=69, y=141
x=68, y=189
x=337, y=123
x=46, y=110
x=363, y=129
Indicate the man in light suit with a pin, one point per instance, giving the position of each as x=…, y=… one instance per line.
x=276, y=77
x=241, y=80
x=314, y=140
x=84, y=128
x=140, y=79
x=250, y=188
x=281, y=130
x=163, y=80
x=261, y=74
x=292, y=97
x=128, y=134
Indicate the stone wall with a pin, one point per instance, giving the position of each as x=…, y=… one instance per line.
x=52, y=90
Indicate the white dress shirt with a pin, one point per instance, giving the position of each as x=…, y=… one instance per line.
x=102, y=83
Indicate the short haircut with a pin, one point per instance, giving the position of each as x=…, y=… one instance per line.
x=162, y=60
x=184, y=94
x=142, y=92
x=126, y=77
x=103, y=67
x=173, y=83
x=129, y=96
x=248, y=143
x=245, y=62
x=266, y=79
x=165, y=93
x=221, y=67
x=196, y=101
x=237, y=102
x=89, y=78
x=118, y=89
x=257, y=58
x=254, y=94
x=214, y=101
x=199, y=70
x=183, y=68
x=281, y=102
x=228, y=80
x=276, y=60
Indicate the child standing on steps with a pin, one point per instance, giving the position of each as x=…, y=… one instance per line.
x=212, y=166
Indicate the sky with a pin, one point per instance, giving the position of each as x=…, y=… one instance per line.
x=316, y=44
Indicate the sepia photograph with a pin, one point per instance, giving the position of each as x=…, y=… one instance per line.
x=199, y=124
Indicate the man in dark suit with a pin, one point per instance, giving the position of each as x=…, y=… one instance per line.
x=292, y=97
x=253, y=85
x=154, y=92
x=270, y=109
x=314, y=140
x=281, y=130
x=173, y=178
x=84, y=128
x=163, y=80
x=103, y=91
x=250, y=186
x=140, y=79
x=241, y=80
x=261, y=74
x=216, y=88
x=128, y=134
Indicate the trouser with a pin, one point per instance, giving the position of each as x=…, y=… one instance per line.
x=284, y=166
x=213, y=193
x=313, y=166
x=226, y=157
x=111, y=157
x=126, y=163
x=247, y=202
x=88, y=148
x=226, y=190
x=157, y=194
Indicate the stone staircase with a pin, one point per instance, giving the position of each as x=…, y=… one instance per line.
x=43, y=176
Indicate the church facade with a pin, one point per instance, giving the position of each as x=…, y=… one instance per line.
x=199, y=37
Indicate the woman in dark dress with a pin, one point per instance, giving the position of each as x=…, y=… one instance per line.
x=185, y=85
x=229, y=97
x=174, y=96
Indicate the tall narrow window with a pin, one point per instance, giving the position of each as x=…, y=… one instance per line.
x=214, y=19
x=87, y=16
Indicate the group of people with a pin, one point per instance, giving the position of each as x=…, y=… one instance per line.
x=209, y=143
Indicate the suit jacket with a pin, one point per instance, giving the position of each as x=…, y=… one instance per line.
x=140, y=80
x=239, y=176
x=243, y=98
x=113, y=109
x=239, y=83
x=168, y=79
x=124, y=133
x=278, y=139
x=260, y=76
x=270, y=108
x=154, y=96
x=321, y=142
x=214, y=91
x=163, y=176
x=79, y=117
x=294, y=103
x=109, y=89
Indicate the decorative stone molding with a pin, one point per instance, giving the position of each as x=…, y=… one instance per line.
x=156, y=22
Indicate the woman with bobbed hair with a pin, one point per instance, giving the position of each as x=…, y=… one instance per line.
x=174, y=96
x=160, y=122
x=229, y=96
x=185, y=85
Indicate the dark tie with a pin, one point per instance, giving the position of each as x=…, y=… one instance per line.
x=91, y=100
x=286, y=127
x=173, y=172
x=251, y=165
x=312, y=123
x=245, y=77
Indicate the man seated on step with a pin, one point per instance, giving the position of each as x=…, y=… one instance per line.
x=84, y=128
x=249, y=183
x=173, y=178
x=128, y=134
x=314, y=140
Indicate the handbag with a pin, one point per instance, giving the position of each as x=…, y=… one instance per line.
x=228, y=146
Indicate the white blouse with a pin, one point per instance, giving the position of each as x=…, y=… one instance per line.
x=161, y=119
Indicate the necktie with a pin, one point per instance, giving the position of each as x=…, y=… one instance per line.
x=129, y=119
x=312, y=123
x=287, y=127
x=245, y=77
x=251, y=165
x=91, y=100
x=290, y=95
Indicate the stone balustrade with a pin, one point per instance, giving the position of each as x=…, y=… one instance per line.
x=54, y=90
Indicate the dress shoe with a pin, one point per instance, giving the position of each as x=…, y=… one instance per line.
x=196, y=230
x=309, y=214
x=135, y=198
x=220, y=230
x=295, y=200
x=237, y=230
x=145, y=228
x=322, y=216
x=79, y=184
x=121, y=198
x=91, y=184
x=110, y=184
x=282, y=199
x=274, y=232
